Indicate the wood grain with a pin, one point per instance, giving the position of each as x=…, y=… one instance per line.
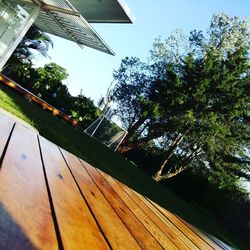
x=50, y=199
x=190, y=232
x=142, y=235
x=169, y=228
x=163, y=235
x=115, y=231
x=77, y=227
x=159, y=218
x=25, y=209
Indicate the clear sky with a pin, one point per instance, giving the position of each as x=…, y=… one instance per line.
x=91, y=70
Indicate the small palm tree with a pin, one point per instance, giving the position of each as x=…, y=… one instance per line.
x=34, y=42
x=19, y=66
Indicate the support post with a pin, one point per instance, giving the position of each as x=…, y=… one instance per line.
x=18, y=37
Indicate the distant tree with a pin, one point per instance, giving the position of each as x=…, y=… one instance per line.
x=23, y=73
x=193, y=98
x=84, y=110
x=49, y=85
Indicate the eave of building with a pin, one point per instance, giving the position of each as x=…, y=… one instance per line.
x=104, y=11
x=63, y=19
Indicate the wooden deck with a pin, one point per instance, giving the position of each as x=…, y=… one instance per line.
x=50, y=199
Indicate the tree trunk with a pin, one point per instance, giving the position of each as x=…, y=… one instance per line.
x=168, y=175
x=126, y=145
x=183, y=165
x=169, y=154
x=125, y=148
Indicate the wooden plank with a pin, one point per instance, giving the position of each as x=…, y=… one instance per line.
x=166, y=238
x=77, y=227
x=158, y=217
x=26, y=220
x=115, y=231
x=165, y=225
x=202, y=235
x=193, y=234
x=142, y=235
x=6, y=125
x=220, y=243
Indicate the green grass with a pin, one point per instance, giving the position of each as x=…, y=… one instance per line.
x=8, y=103
x=75, y=141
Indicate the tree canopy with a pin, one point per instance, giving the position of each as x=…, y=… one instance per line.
x=191, y=100
x=84, y=110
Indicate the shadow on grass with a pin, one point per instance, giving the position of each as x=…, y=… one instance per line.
x=90, y=150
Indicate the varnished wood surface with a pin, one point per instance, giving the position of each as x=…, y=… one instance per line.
x=167, y=237
x=23, y=193
x=6, y=127
x=50, y=199
x=77, y=226
x=114, y=229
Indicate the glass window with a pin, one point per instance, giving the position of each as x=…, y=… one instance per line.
x=11, y=20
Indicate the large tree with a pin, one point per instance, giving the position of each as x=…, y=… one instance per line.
x=193, y=97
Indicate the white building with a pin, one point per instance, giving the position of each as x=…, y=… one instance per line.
x=68, y=19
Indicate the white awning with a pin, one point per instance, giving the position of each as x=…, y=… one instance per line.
x=61, y=18
x=104, y=11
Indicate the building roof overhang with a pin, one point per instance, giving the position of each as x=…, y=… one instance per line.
x=62, y=18
x=104, y=11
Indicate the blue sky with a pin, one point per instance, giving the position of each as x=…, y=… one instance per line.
x=91, y=70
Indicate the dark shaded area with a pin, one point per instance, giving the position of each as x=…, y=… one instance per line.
x=11, y=235
x=229, y=208
x=148, y=161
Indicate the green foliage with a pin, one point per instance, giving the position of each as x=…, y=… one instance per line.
x=22, y=73
x=84, y=110
x=132, y=78
x=192, y=113
x=47, y=82
x=193, y=98
x=48, y=85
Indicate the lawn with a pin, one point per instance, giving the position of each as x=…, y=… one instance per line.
x=75, y=141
